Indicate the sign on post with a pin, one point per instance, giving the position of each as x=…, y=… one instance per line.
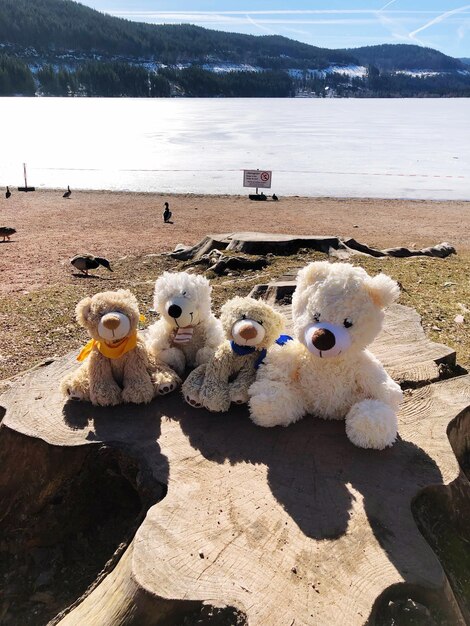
x=257, y=178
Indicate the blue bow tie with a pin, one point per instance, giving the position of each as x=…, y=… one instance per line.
x=243, y=350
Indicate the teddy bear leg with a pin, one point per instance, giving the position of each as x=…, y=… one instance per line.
x=371, y=424
x=175, y=358
x=238, y=394
x=76, y=386
x=138, y=390
x=165, y=380
x=105, y=393
x=216, y=399
x=275, y=404
x=192, y=386
x=238, y=389
x=204, y=354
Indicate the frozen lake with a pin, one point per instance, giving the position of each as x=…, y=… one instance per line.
x=401, y=148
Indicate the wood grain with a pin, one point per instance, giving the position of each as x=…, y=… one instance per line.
x=289, y=525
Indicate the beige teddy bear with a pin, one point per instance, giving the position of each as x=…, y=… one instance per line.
x=116, y=365
x=327, y=371
x=251, y=327
x=187, y=332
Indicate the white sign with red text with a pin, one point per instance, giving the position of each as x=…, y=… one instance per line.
x=257, y=178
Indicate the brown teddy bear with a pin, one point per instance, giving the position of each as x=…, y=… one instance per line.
x=251, y=327
x=116, y=364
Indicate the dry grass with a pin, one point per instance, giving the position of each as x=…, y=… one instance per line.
x=40, y=324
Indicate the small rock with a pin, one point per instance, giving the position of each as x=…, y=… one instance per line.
x=201, y=554
x=293, y=570
x=448, y=284
x=355, y=226
x=459, y=319
x=436, y=328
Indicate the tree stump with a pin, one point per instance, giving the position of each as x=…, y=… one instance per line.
x=289, y=526
x=281, y=244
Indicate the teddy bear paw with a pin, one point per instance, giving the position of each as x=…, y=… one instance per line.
x=163, y=388
x=239, y=396
x=75, y=394
x=165, y=382
x=193, y=399
x=371, y=424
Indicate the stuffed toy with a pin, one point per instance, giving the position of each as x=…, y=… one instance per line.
x=116, y=365
x=187, y=332
x=251, y=327
x=337, y=311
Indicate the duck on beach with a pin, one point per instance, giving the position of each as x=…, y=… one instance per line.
x=68, y=193
x=167, y=214
x=85, y=262
x=7, y=192
x=6, y=232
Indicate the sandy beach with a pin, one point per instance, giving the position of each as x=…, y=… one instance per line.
x=51, y=229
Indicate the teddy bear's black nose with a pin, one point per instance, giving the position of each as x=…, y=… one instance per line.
x=174, y=310
x=323, y=339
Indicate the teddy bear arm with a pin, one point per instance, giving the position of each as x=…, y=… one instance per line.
x=174, y=357
x=275, y=403
x=104, y=391
x=214, y=333
x=213, y=337
x=164, y=378
x=137, y=386
x=214, y=393
x=192, y=386
x=158, y=337
x=203, y=355
x=244, y=379
x=76, y=384
x=376, y=382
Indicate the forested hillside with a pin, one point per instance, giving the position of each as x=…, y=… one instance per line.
x=404, y=57
x=65, y=25
x=62, y=48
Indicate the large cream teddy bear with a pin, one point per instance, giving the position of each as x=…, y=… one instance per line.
x=251, y=327
x=116, y=366
x=187, y=332
x=327, y=371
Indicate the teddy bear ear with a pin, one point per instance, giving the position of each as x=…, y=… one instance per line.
x=312, y=273
x=383, y=290
x=82, y=310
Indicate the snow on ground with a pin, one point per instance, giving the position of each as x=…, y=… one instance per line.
x=397, y=148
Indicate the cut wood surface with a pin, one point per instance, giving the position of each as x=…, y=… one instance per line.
x=289, y=525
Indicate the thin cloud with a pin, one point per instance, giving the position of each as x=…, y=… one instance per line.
x=260, y=26
x=239, y=19
x=437, y=20
x=264, y=12
x=387, y=5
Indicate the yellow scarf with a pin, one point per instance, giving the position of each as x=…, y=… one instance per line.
x=112, y=352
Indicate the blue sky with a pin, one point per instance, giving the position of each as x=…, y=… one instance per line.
x=440, y=24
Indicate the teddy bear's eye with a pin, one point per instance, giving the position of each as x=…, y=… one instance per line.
x=243, y=316
x=347, y=323
x=184, y=293
x=316, y=317
x=260, y=322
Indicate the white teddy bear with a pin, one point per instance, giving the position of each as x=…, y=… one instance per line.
x=187, y=333
x=337, y=311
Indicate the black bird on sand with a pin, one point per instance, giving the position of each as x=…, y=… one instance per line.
x=85, y=262
x=167, y=213
x=6, y=232
x=275, y=197
x=7, y=192
x=68, y=193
